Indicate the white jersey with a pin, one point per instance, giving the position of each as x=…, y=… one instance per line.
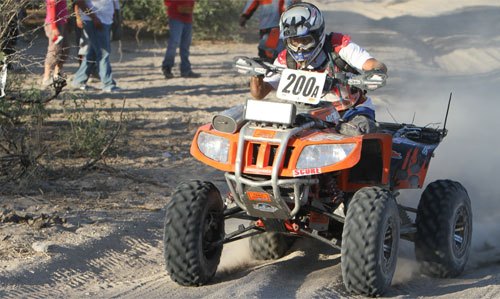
x=103, y=9
x=351, y=53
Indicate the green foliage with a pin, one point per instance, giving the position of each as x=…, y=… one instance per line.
x=20, y=130
x=217, y=19
x=145, y=14
x=213, y=19
x=28, y=143
x=90, y=129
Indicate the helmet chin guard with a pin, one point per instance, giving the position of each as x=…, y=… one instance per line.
x=301, y=20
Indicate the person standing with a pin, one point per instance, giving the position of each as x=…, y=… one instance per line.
x=269, y=12
x=180, y=15
x=97, y=16
x=81, y=37
x=56, y=30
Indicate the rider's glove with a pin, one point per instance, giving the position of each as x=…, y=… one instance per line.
x=329, y=84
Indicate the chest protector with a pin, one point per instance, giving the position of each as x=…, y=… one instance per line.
x=329, y=49
x=347, y=96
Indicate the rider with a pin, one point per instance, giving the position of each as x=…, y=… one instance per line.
x=308, y=48
x=269, y=15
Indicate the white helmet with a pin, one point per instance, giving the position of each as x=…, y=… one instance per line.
x=302, y=28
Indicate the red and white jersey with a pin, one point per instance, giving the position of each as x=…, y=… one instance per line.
x=351, y=53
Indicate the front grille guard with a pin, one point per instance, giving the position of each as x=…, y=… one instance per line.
x=236, y=181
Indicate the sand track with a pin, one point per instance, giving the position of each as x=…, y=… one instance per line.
x=110, y=245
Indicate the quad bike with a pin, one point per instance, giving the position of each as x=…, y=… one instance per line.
x=291, y=174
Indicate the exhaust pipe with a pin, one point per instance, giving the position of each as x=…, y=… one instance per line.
x=230, y=120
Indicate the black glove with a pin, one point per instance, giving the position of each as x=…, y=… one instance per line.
x=358, y=125
x=329, y=84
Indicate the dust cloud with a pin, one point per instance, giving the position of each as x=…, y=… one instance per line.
x=469, y=154
x=236, y=256
x=428, y=58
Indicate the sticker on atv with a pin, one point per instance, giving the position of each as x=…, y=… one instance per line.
x=258, y=196
x=301, y=86
x=303, y=172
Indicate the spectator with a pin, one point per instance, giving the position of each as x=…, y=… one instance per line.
x=180, y=14
x=80, y=35
x=270, y=45
x=56, y=30
x=116, y=27
x=82, y=40
x=97, y=16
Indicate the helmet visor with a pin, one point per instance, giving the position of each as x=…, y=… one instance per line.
x=301, y=42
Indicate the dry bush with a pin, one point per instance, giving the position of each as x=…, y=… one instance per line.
x=27, y=145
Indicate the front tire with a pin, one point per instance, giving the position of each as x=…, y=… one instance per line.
x=444, y=229
x=370, y=242
x=193, y=233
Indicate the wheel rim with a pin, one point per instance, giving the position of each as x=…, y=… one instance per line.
x=212, y=234
x=388, y=245
x=461, y=232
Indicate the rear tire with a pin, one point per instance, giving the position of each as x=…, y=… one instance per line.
x=193, y=233
x=444, y=229
x=269, y=245
x=370, y=242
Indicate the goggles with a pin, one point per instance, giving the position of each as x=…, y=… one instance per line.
x=301, y=42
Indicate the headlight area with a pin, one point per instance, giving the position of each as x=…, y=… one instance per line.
x=321, y=155
x=213, y=146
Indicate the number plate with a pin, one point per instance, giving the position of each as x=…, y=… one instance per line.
x=301, y=86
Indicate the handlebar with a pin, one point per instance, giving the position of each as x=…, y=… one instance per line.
x=369, y=80
x=255, y=66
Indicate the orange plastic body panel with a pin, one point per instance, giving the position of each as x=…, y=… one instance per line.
x=263, y=165
x=233, y=145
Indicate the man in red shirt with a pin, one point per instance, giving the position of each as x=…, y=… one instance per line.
x=180, y=15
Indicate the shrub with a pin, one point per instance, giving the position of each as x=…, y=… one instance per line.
x=217, y=19
x=145, y=14
x=91, y=129
x=213, y=19
x=20, y=130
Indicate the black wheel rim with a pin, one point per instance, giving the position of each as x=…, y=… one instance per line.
x=213, y=233
x=388, y=245
x=461, y=232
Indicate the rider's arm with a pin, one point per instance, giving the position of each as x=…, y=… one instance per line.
x=359, y=58
x=373, y=64
x=258, y=88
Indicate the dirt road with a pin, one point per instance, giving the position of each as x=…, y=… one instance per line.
x=109, y=244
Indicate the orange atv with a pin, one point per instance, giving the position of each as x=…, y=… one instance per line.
x=291, y=174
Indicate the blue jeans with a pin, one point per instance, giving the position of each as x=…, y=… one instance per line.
x=97, y=55
x=180, y=37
